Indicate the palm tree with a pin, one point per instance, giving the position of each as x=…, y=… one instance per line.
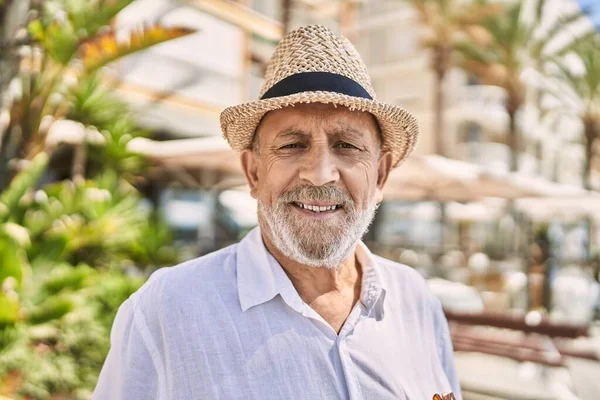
x=513, y=43
x=71, y=41
x=445, y=21
x=578, y=93
x=12, y=15
x=286, y=14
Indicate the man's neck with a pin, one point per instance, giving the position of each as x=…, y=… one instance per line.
x=313, y=282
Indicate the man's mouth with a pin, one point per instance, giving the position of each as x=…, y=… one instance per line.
x=317, y=208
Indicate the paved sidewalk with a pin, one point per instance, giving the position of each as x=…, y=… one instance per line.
x=486, y=377
x=586, y=378
x=502, y=378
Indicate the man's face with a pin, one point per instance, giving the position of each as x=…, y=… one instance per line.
x=317, y=172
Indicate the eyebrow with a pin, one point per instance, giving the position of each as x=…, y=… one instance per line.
x=347, y=132
x=350, y=132
x=291, y=132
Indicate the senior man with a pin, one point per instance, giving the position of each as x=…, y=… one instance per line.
x=299, y=309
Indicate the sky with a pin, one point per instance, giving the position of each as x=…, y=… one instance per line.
x=593, y=9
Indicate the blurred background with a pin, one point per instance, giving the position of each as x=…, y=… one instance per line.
x=112, y=165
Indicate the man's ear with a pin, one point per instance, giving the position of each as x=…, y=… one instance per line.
x=384, y=167
x=250, y=167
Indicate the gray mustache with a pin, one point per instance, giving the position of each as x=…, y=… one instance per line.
x=307, y=193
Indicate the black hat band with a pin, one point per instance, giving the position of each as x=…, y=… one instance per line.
x=314, y=82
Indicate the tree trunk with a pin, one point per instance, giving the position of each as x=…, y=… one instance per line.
x=590, y=132
x=512, y=106
x=12, y=15
x=438, y=113
x=79, y=162
x=440, y=65
x=286, y=15
x=443, y=223
x=438, y=134
x=589, y=129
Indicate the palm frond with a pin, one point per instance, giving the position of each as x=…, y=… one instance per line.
x=478, y=12
x=489, y=73
x=540, y=6
x=59, y=40
x=9, y=311
x=589, y=53
x=515, y=32
x=576, y=82
x=22, y=183
x=568, y=47
x=53, y=308
x=13, y=259
x=91, y=16
x=586, y=83
x=557, y=88
x=64, y=278
x=469, y=50
x=106, y=48
x=87, y=17
x=93, y=103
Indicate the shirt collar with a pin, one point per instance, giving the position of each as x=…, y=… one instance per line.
x=260, y=277
x=373, y=287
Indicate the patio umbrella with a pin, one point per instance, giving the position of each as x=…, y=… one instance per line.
x=71, y=132
x=210, y=153
x=543, y=209
x=517, y=185
x=481, y=211
x=436, y=178
x=432, y=177
x=206, y=162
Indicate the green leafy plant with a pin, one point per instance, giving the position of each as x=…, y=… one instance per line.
x=578, y=93
x=65, y=247
x=15, y=239
x=70, y=41
x=446, y=21
x=505, y=47
x=59, y=346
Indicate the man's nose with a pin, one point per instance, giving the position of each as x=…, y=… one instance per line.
x=319, y=167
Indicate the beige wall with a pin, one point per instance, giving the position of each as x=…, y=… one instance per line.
x=387, y=35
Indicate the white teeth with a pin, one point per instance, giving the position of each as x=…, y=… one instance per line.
x=316, y=208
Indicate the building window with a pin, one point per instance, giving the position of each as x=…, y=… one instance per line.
x=473, y=80
x=471, y=136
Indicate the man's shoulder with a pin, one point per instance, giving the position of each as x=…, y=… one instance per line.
x=402, y=278
x=410, y=289
x=190, y=277
x=397, y=270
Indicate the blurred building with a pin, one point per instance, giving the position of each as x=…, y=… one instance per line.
x=179, y=88
x=388, y=34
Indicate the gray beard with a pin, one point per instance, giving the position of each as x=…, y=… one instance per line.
x=310, y=242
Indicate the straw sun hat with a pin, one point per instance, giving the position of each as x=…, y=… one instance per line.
x=313, y=65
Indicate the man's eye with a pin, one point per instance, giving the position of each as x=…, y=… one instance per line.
x=292, y=146
x=345, y=145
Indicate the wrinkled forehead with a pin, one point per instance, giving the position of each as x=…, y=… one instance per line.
x=316, y=118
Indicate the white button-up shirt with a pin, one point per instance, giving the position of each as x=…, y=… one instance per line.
x=230, y=325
